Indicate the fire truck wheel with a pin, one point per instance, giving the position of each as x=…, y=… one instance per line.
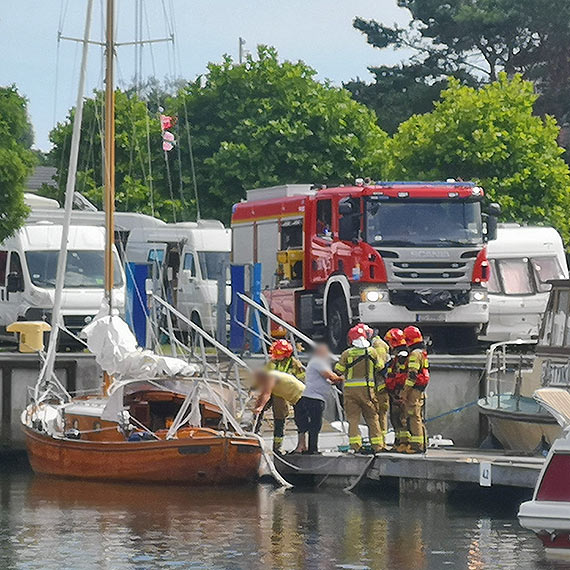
x=337, y=325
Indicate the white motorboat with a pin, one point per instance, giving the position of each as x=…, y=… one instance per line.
x=548, y=513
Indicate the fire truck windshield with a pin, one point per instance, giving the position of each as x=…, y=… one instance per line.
x=423, y=222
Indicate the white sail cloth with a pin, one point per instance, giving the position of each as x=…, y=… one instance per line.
x=115, y=348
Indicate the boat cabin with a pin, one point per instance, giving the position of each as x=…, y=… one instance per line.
x=153, y=409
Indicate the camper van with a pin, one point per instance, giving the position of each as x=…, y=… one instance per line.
x=28, y=265
x=522, y=259
x=186, y=260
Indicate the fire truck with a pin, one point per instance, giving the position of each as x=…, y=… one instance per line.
x=387, y=254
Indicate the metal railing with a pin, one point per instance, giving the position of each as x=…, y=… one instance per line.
x=504, y=370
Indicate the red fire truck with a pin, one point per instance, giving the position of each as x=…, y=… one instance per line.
x=387, y=254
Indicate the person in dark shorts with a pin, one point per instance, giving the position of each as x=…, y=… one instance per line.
x=309, y=409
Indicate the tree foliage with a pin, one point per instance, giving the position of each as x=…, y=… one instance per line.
x=268, y=122
x=263, y=122
x=16, y=159
x=489, y=135
x=472, y=40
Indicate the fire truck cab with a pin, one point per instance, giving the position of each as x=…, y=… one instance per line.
x=387, y=254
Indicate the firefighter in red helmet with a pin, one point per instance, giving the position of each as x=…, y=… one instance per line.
x=359, y=365
x=282, y=360
x=395, y=381
x=417, y=379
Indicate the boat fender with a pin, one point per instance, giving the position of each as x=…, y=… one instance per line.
x=72, y=434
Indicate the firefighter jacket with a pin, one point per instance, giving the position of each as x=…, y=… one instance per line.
x=290, y=365
x=359, y=366
x=417, y=368
x=396, y=372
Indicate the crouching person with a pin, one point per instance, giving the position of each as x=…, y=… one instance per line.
x=281, y=386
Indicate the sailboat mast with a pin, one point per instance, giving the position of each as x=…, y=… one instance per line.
x=109, y=199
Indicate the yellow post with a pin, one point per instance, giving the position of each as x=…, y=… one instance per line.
x=31, y=334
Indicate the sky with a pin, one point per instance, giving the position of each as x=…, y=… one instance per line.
x=46, y=71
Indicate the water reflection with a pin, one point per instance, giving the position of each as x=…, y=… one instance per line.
x=51, y=523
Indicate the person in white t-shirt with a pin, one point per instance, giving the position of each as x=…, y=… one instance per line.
x=309, y=409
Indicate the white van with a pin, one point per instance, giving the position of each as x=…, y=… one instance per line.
x=28, y=265
x=522, y=259
x=188, y=259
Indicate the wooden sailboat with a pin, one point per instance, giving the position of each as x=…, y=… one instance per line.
x=160, y=429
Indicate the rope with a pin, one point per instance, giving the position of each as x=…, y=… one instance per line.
x=454, y=411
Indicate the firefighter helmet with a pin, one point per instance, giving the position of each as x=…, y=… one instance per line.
x=413, y=335
x=359, y=331
x=280, y=350
x=395, y=338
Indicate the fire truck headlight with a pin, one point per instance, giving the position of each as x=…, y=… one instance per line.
x=373, y=296
x=480, y=296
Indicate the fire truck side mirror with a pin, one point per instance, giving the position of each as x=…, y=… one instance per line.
x=492, y=220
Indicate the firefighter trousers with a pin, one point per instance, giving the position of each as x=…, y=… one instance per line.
x=416, y=426
x=280, y=409
x=383, y=408
x=399, y=419
x=361, y=400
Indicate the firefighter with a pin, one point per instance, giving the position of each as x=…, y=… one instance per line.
x=382, y=353
x=359, y=364
x=282, y=360
x=417, y=379
x=395, y=380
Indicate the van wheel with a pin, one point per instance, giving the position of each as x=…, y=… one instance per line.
x=337, y=325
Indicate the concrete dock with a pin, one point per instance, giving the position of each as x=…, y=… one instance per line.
x=438, y=472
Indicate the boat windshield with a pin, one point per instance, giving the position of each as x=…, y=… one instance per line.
x=85, y=269
x=423, y=222
x=212, y=263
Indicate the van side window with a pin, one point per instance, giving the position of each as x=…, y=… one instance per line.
x=189, y=264
x=545, y=269
x=515, y=276
x=3, y=263
x=15, y=264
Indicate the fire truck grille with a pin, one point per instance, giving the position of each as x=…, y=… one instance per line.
x=429, y=270
x=429, y=299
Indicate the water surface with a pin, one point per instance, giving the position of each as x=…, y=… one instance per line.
x=49, y=523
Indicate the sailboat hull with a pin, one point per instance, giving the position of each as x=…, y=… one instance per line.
x=214, y=460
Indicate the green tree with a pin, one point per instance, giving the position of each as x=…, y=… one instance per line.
x=489, y=135
x=267, y=122
x=472, y=40
x=16, y=159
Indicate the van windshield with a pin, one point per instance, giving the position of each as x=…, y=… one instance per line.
x=212, y=263
x=84, y=269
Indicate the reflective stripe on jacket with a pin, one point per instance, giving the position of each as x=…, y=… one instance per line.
x=358, y=365
x=290, y=365
x=418, y=369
